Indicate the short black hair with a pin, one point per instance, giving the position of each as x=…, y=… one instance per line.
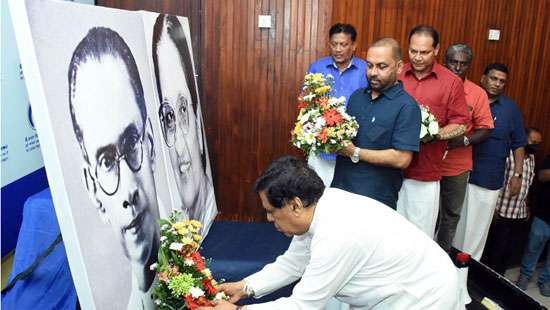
x=175, y=32
x=288, y=177
x=425, y=29
x=100, y=42
x=529, y=130
x=343, y=28
x=496, y=66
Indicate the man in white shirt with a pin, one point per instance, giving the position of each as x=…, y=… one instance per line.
x=346, y=246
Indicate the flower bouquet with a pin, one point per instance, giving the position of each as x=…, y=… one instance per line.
x=322, y=123
x=184, y=281
x=428, y=125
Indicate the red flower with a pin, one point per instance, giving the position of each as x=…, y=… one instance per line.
x=203, y=302
x=332, y=117
x=198, y=260
x=191, y=304
x=210, y=289
x=323, y=135
x=302, y=104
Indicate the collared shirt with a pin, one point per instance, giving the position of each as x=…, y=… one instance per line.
x=364, y=254
x=514, y=207
x=459, y=160
x=345, y=82
x=391, y=121
x=443, y=93
x=489, y=156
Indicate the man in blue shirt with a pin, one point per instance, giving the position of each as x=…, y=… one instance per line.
x=389, y=129
x=489, y=162
x=349, y=75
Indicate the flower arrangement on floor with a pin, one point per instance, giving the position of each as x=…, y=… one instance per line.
x=184, y=281
x=322, y=124
x=428, y=125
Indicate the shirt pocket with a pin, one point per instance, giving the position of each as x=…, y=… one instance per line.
x=378, y=136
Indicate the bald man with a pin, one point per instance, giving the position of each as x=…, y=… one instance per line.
x=389, y=126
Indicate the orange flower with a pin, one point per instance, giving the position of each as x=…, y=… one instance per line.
x=163, y=276
x=323, y=135
x=199, y=261
x=210, y=289
x=332, y=117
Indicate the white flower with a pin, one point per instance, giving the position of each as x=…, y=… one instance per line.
x=188, y=262
x=433, y=128
x=309, y=97
x=163, y=238
x=320, y=123
x=153, y=266
x=158, y=302
x=220, y=296
x=176, y=246
x=423, y=131
x=196, y=292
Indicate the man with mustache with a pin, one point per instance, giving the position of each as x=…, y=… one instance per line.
x=489, y=163
x=435, y=87
x=349, y=75
x=457, y=164
x=389, y=124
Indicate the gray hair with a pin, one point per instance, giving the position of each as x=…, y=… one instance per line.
x=459, y=48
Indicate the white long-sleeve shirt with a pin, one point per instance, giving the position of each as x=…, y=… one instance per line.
x=364, y=254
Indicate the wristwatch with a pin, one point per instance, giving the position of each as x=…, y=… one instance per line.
x=466, y=141
x=517, y=175
x=355, y=156
x=249, y=291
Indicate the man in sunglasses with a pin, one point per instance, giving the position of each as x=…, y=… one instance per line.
x=109, y=118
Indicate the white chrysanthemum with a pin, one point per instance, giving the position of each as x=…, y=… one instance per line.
x=163, y=238
x=153, y=267
x=196, y=292
x=176, y=246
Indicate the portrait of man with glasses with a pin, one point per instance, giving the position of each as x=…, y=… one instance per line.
x=180, y=119
x=115, y=135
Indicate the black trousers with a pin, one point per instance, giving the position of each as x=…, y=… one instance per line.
x=504, y=243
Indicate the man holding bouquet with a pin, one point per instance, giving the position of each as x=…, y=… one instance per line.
x=389, y=126
x=434, y=87
x=348, y=72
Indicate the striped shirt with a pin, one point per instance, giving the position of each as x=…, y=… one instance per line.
x=515, y=207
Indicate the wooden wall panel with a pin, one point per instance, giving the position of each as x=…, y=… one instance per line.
x=251, y=78
x=524, y=45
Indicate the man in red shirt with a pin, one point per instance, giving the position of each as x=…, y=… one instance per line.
x=457, y=164
x=437, y=88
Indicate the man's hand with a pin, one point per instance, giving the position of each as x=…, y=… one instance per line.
x=235, y=290
x=514, y=186
x=348, y=149
x=456, y=142
x=220, y=305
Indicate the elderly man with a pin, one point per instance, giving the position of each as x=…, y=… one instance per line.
x=437, y=88
x=344, y=245
x=489, y=162
x=389, y=125
x=180, y=118
x=110, y=122
x=349, y=75
x=457, y=164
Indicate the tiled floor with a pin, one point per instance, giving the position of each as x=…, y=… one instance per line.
x=532, y=288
